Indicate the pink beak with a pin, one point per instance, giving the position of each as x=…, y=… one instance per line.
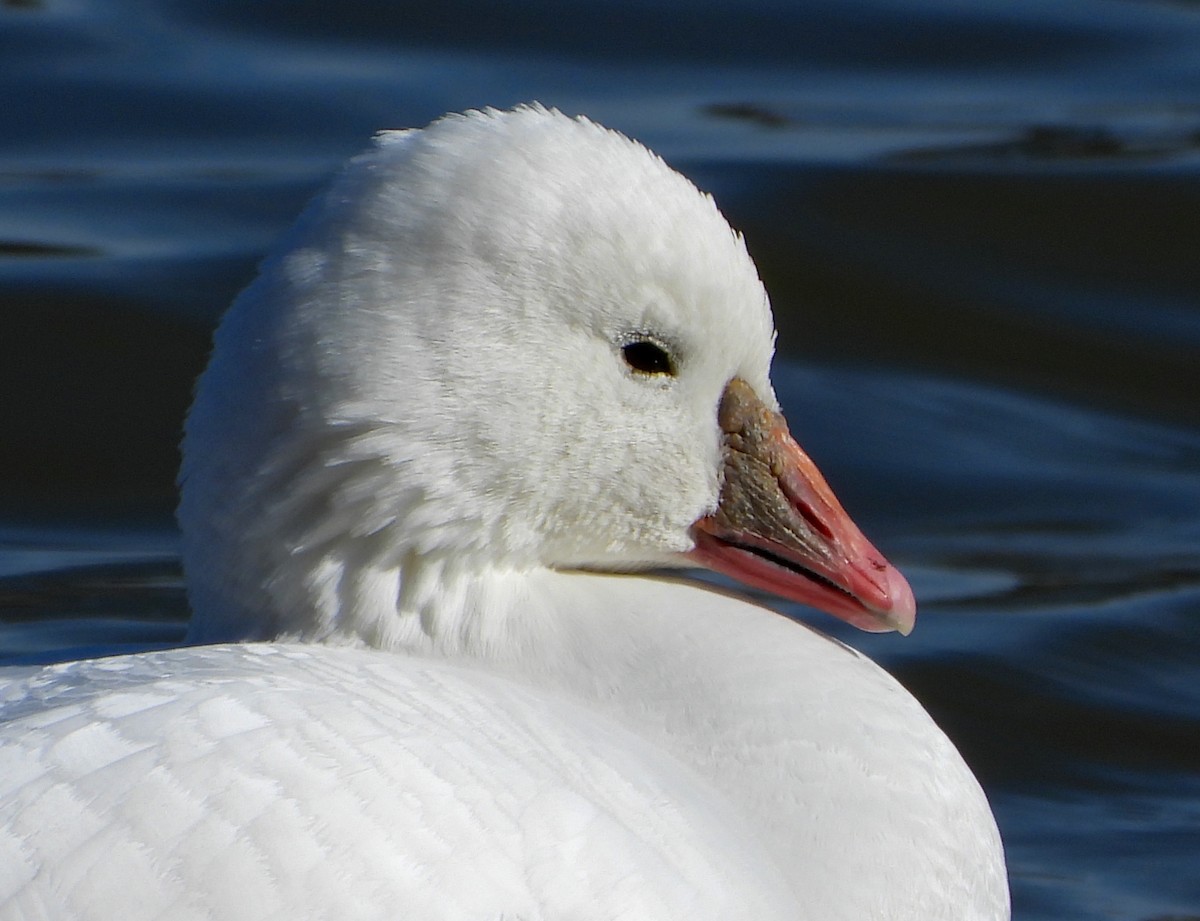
x=779, y=527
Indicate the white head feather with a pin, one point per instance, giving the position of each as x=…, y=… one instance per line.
x=426, y=381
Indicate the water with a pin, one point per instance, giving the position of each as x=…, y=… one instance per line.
x=979, y=224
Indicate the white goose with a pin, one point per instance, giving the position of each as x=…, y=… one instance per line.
x=500, y=361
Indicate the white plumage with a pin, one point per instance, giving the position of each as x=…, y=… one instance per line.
x=419, y=425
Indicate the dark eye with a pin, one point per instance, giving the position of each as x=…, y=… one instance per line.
x=647, y=357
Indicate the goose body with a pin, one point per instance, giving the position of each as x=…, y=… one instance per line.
x=502, y=366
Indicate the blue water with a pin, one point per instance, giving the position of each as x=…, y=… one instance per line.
x=980, y=225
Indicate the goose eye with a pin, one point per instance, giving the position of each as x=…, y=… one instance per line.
x=647, y=357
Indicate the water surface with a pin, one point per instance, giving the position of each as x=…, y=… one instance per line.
x=978, y=223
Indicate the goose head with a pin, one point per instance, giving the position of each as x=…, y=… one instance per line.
x=507, y=341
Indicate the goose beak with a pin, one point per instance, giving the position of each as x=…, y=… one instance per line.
x=779, y=527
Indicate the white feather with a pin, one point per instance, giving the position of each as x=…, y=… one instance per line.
x=415, y=428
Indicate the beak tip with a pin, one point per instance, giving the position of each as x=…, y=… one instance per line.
x=902, y=614
x=903, y=627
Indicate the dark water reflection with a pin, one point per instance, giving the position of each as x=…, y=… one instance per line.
x=979, y=227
